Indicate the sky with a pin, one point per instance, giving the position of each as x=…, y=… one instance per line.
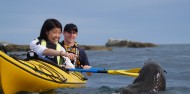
x=153, y=21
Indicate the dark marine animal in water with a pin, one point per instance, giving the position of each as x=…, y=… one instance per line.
x=151, y=80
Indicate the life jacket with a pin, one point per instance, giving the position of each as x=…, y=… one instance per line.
x=73, y=49
x=57, y=59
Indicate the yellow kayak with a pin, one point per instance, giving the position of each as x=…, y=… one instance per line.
x=35, y=76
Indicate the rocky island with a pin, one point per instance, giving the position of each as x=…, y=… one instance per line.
x=126, y=43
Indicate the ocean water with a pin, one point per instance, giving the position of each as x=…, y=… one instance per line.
x=175, y=59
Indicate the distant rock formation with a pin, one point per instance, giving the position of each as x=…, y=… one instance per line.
x=16, y=48
x=126, y=43
x=92, y=47
x=11, y=47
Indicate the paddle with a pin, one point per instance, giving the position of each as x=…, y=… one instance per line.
x=131, y=72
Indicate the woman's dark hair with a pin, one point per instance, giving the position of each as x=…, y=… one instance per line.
x=48, y=25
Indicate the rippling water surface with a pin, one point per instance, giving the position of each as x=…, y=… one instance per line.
x=175, y=59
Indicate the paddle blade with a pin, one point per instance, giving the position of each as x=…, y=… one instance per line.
x=132, y=72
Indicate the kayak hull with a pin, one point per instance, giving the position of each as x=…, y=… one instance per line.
x=35, y=76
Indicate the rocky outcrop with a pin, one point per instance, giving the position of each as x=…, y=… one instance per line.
x=15, y=48
x=92, y=47
x=126, y=43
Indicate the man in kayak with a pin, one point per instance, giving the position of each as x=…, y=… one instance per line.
x=71, y=46
x=47, y=46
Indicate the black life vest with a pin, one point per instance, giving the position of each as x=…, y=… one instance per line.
x=73, y=49
x=57, y=59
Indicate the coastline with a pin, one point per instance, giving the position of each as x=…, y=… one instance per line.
x=17, y=48
x=12, y=47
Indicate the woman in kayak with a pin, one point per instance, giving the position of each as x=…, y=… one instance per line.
x=47, y=46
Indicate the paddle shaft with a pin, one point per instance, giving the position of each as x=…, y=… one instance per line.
x=132, y=72
x=89, y=70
